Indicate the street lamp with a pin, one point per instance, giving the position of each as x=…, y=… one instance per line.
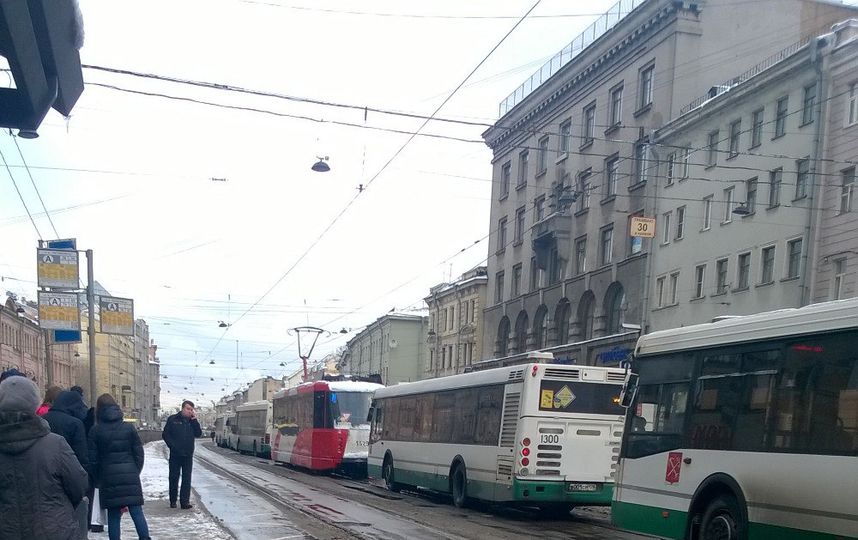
x=321, y=166
x=222, y=324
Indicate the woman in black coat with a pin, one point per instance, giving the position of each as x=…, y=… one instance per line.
x=116, y=459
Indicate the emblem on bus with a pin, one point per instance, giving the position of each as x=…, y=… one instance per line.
x=674, y=464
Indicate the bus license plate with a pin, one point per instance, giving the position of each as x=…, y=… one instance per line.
x=575, y=486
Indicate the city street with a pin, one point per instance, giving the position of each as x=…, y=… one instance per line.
x=253, y=498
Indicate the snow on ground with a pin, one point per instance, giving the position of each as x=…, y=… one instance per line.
x=167, y=523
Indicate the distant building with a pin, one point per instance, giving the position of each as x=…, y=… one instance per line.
x=455, y=335
x=393, y=347
x=154, y=378
x=262, y=389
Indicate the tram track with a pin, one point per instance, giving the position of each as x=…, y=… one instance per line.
x=434, y=511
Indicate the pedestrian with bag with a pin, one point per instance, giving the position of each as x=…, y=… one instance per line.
x=66, y=419
x=179, y=433
x=116, y=460
x=41, y=480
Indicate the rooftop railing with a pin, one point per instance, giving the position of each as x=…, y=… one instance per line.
x=593, y=32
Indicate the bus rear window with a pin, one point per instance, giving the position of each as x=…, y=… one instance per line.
x=586, y=398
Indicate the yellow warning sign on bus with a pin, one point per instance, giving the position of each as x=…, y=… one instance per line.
x=547, y=400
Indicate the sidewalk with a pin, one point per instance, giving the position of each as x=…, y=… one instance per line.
x=167, y=523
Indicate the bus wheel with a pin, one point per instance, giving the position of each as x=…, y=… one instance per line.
x=723, y=520
x=387, y=473
x=459, y=479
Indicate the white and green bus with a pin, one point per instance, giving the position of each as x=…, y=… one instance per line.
x=544, y=435
x=744, y=429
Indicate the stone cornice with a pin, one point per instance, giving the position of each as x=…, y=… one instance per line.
x=501, y=132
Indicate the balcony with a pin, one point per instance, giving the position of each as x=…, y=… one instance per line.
x=549, y=235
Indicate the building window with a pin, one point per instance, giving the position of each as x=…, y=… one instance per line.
x=756, y=128
x=669, y=171
x=674, y=282
x=607, y=245
x=775, y=178
x=581, y=255
x=767, y=265
x=584, y=191
x=645, y=87
x=501, y=234
x=853, y=104
x=728, y=204
x=743, y=277
x=539, y=209
x=555, y=267
x=808, y=104
x=616, y=112
x=751, y=195
x=686, y=160
x=641, y=164
x=516, y=280
x=589, y=124
x=519, y=225
x=699, y=280
x=522, y=169
x=635, y=242
x=542, y=157
x=535, y=274
x=506, y=173
x=499, y=287
x=735, y=130
x=680, y=222
x=712, y=149
x=802, y=167
x=780, y=117
x=721, y=269
x=565, y=137
x=659, y=291
x=846, y=190
x=612, y=176
x=707, y=212
x=665, y=227
x=793, y=258
x=839, y=279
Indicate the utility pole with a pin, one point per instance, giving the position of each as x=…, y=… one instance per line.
x=49, y=367
x=90, y=327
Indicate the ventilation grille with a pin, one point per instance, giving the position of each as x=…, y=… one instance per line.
x=555, y=373
x=516, y=375
x=504, y=469
x=509, y=422
x=616, y=376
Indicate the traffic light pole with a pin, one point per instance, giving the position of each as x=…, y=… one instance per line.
x=90, y=327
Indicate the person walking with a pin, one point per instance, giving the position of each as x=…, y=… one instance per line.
x=66, y=419
x=50, y=395
x=41, y=480
x=179, y=433
x=116, y=460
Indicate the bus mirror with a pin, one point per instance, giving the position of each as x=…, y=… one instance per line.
x=630, y=390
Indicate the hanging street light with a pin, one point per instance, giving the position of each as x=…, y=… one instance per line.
x=321, y=166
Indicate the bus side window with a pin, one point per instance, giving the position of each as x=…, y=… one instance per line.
x=377, y=422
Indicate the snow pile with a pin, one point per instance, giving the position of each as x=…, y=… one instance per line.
x=167, y=523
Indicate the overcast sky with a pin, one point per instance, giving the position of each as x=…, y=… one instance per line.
x=181, y=244
x=130, y=176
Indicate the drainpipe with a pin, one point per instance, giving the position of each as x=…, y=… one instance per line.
x=814, y=215
x=649, y=255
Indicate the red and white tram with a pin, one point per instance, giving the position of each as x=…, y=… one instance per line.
x=322, y=425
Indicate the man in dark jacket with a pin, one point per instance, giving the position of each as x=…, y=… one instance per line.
x=41, y=480
x=66, y=419
x=179, y=434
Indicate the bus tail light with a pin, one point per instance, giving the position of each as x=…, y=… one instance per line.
x=534, y=371
x=526, y=441
x=525, y=461
x=525, y=451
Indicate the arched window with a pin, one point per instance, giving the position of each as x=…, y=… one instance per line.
x=561, y=318
x=521, y=332
x=586, y=312
x=502, y=343
x=540, y=328
x=615, y=300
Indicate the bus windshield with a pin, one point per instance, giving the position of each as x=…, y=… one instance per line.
x=350, y=407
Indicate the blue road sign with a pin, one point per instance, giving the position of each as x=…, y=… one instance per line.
x=67, y=336
x=66, y=243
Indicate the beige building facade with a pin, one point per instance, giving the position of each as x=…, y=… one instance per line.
x=393, y=347
x=573, y=161
x=455, y=335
